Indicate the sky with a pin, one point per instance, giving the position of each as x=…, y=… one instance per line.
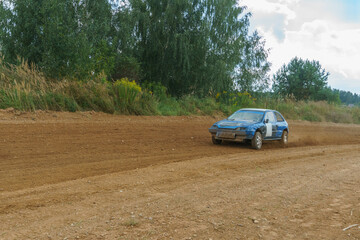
x=327, y=31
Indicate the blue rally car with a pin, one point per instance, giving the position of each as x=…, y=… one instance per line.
x=251, y=125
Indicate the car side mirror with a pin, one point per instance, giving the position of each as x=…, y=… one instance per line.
x=267, y=121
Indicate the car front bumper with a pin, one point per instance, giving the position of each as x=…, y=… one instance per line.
x=229, y=134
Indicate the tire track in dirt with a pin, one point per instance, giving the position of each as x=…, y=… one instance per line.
x=66, y=147
x=39, y=197
x=293, y=193
x=85, y=175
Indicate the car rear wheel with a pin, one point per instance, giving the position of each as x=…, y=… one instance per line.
x=256, y=141
x=216, y=141
x=284, y=138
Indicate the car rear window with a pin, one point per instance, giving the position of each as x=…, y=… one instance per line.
x=270, y=116
x=279, y=118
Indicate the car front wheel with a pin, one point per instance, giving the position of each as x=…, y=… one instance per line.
x=216, y=141
x=256, y=142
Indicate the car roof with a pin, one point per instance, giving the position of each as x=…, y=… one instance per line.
x=255, y=109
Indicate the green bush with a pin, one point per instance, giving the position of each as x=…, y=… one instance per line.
x=130, y=99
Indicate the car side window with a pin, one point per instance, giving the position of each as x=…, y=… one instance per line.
x=270, y=116
x=279, y=118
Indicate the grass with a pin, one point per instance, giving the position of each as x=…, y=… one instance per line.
x=317, y=111
x=24, y=88
x=131, y=223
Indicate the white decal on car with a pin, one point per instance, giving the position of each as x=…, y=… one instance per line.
x=268, y=130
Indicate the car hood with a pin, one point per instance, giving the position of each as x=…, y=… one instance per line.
x=228, y=124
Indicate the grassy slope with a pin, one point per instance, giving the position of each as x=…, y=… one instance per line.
x=24, y=88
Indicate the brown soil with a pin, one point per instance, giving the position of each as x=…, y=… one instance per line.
x=97, y=176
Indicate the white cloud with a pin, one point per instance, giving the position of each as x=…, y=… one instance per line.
x=267, y=7
x=270, y=16
x=289, y=31
x=337, y=49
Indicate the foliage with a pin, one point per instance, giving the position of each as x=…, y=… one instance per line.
x=62, y=37
x=126, y=94
x=189, y=57
x=156, y=89
x=347, y=97
x=252, y=72
x=126, y=67
x=327, y=94
x=131, y=223
x=24, y=87
x=235, y=99
x=190, y=47
x=194, y=46
x=304, y=79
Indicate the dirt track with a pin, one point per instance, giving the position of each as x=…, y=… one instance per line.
x=96, y=176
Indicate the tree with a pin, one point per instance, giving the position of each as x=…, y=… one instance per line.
x=252, y=71
x=195, y=46
x=348, y=97
x=62, y=37
x=190, y=46
x=327, y=94
x=302, y=79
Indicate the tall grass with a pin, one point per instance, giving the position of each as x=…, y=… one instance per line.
x=316, y=111
x=296, y=110
x=25, y=88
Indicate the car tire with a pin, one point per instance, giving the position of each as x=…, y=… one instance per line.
x=284, y=138
x=256, y=141
x=216, y=141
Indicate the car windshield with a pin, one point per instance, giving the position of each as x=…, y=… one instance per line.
x=252, y=116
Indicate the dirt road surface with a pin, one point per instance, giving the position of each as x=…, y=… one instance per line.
x=97, y=176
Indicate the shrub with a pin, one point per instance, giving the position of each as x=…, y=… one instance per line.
x=236, y=99
x=126, y=93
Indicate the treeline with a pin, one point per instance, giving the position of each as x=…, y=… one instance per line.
x=347, y=97
x=191, y=47
x=177, y=48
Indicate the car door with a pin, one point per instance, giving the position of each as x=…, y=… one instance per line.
x=270, y=122
x=281, y=124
